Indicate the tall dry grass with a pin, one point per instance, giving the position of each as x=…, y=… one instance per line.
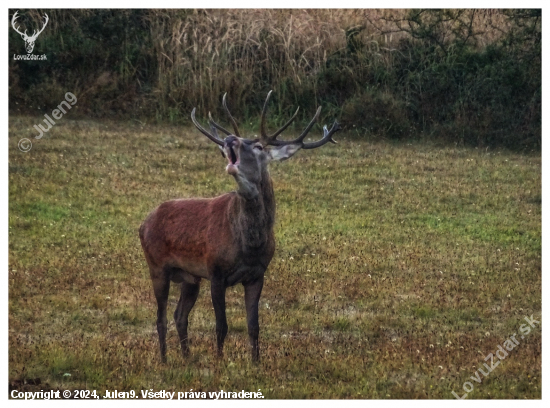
x=390, y=73
x=203, y=53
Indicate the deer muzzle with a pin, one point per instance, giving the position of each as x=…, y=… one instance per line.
x=232, y=147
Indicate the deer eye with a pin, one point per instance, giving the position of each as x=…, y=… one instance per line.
x=259, y=147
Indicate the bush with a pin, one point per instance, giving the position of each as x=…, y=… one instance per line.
x=467, y=76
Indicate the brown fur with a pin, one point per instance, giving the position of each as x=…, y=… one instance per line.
x=215, y=234
x=227, y=240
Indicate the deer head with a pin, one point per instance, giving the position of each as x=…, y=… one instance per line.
x=29, y=41
x=248, y=158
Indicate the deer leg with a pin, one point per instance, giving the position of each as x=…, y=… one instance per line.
x=189, y=294
x=161, y=287
x=218, y=301
x=252, y=292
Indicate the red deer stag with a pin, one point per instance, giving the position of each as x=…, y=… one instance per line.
x=227, y=239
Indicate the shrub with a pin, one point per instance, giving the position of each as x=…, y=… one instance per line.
x=468, y=76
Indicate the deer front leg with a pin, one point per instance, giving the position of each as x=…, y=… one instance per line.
x=252, y=292
x=188, y=297
x=217, y=289
x=161, y=288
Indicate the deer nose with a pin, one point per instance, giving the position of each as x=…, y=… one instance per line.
x=231, y=141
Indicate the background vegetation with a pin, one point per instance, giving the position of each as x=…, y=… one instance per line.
x=465, y=76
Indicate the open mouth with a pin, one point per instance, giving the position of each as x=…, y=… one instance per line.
x=233, y=158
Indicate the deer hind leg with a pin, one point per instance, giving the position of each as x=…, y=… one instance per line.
x=189, y=294
x=252, y=292
x=217, y=289
x=161, y=287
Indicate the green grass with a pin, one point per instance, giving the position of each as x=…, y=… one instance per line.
x=398, y=268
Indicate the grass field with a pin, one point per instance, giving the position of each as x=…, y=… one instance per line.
x=398, y=268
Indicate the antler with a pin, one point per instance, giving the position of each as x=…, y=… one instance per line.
x=224, y=130
x=212, y=136
x=34, y=36
x=266, y=140
x=15, y=16
x=327, y=137
x=263, y=134
x=231, y=119
x=213, y=125
x=272, y=140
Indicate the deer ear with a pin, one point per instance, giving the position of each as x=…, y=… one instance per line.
x=223, y=153
x=281, y=153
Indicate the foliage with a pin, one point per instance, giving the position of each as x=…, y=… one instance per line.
x=465, y=76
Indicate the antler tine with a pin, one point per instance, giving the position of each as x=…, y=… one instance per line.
x=299, y=139
x=224, y=130
x=287, y=124
x=215, y=139
x=233, y=122
x=263, y=133
x=214, y=131
x=308, y=128
x=327, y=137
x=268, y=140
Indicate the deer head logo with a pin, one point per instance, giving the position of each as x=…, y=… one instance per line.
x=29, y=40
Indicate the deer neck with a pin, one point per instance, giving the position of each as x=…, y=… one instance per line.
x=255, y=213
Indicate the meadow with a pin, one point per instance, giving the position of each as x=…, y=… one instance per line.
x=399, y=267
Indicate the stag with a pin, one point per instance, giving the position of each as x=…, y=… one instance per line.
x=29, y=41
x=227, y=239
